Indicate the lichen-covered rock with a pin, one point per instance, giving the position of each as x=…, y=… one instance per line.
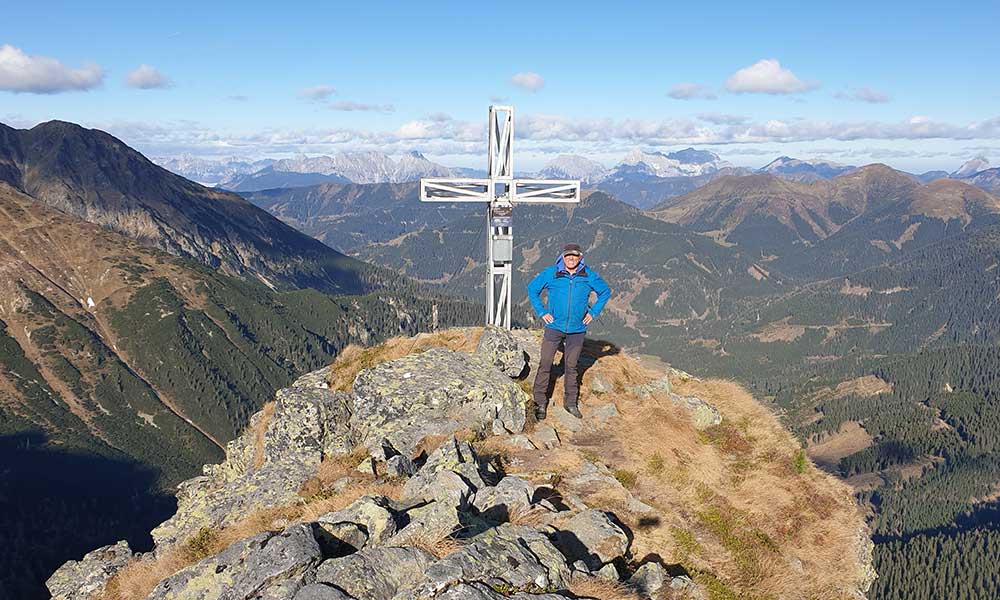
x=432, y=393
x=592, y=537
x=481, y=591
x=375, y=573
x=659, y=386
x=510, y=496
x=308, y=423
x=502, y=350
x=440, y=486
x=649, y=579
x=79, y=579
x=451, y=471
x=400, y=466
x=432, y=521
x=374, y=513
x=245, y=568
x=515, y=556
x=320, y=591
x=703, y=415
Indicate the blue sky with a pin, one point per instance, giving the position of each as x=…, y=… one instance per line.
x=910, y=84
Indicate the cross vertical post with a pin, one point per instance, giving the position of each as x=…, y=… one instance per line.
x=501, y=191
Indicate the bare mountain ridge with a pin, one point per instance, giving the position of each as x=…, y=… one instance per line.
x=766, y=212
x=94, y=176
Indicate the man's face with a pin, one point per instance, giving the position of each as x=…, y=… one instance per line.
x=571, y=260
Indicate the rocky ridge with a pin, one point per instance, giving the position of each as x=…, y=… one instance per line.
x=475, y=506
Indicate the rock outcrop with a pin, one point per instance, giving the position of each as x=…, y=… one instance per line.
x=460, y=522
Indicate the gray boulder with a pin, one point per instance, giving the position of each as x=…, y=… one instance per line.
x=657, y=387
x=400, y=466
x=372, y=515
x=375, y=573
x=703, y=415
x=517, y=557
x=592, y=537
x=320, y=591
x=511, y=495
x=545, y=437
x=431, y=393
x=451, y=471
x=429, y=522
x=501, y=349
x=308, y=424
x=649, y=579
x=480, y=591
x=80, y=579
x=245, y=568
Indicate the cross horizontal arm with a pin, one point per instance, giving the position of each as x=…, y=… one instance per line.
x=437, y=189
x=545, y=191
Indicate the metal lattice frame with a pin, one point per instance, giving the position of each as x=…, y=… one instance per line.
x=502, y=192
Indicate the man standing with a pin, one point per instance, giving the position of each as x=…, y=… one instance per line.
x=566, y=317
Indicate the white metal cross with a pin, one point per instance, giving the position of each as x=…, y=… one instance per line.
x=501, y=191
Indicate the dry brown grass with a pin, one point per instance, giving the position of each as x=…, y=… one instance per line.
x=440, y=543
x=737, y=485
x=742, y=492
x=354, y=358
x=592, y=587
x=259, y=428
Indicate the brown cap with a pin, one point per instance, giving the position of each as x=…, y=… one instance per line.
x=572, y=249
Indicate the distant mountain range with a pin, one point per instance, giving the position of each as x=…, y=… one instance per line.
x=642, y=178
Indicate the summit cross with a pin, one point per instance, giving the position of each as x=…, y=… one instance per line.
x=500, y=191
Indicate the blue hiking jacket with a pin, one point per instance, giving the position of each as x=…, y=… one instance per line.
x=569, y=296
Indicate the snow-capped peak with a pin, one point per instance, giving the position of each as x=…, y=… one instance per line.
x=572, y=166
x=971, y=167
x=684, y=163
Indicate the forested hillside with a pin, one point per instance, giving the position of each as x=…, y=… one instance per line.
x=123, y=369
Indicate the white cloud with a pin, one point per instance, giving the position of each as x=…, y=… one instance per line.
x=24, y=73
x=318, y=92
x=723, y=119
x=864, y=94
x=767, y=77
x=528, y=80
x=439, y=117
x=536, y=133
x=348, y=105
x=146, y=77
x=691, y=91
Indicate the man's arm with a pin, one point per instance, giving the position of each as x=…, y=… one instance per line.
x=603, y=293
x=539, y=283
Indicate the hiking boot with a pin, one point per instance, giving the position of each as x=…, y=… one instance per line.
x=573, y=410
x=540, y=413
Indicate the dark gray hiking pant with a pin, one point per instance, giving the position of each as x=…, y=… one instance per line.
x=573, y=344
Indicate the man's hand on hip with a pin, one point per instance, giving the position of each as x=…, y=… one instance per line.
x=547, y=318
x=587, y=319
